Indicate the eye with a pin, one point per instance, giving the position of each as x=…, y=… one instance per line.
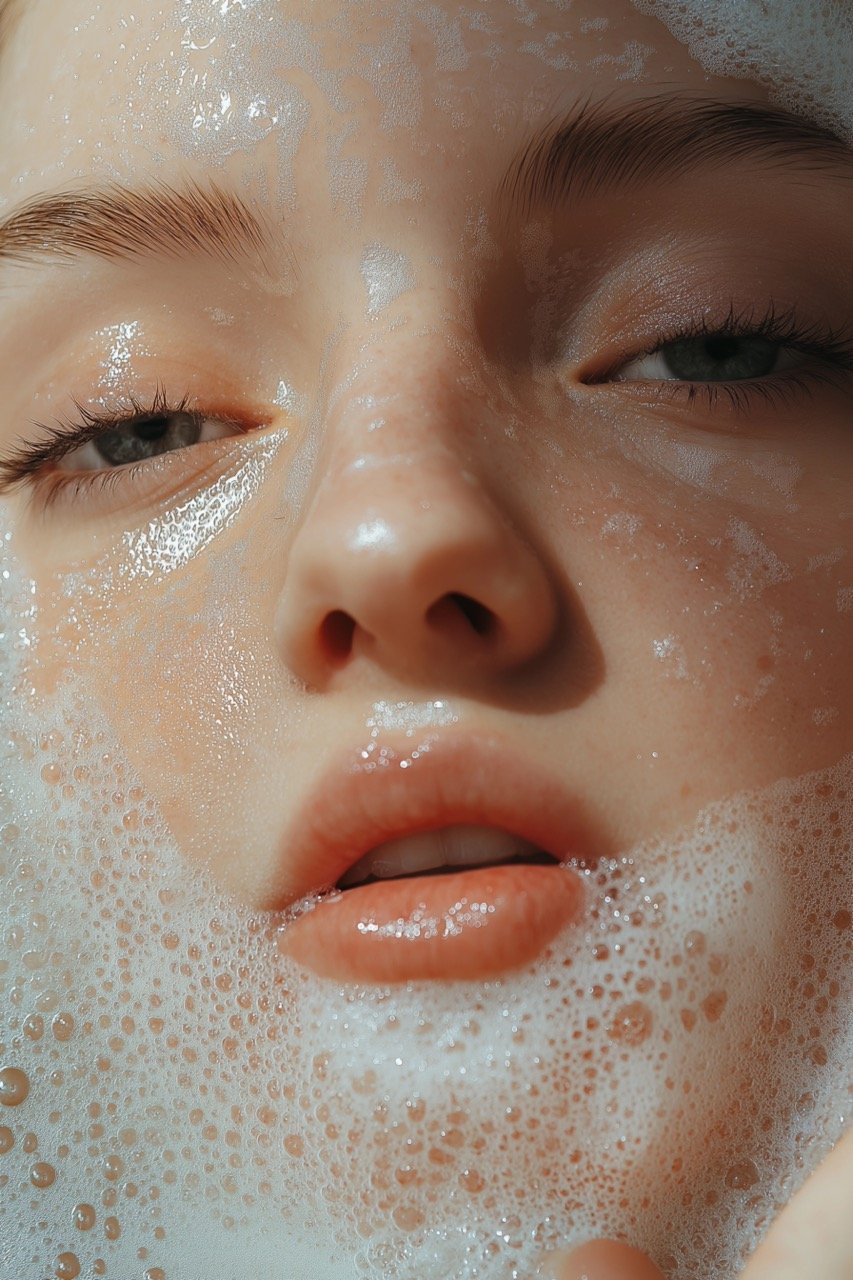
x=142, y=437
x=713, y=357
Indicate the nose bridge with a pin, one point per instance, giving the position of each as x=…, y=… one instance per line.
x=405, y=557
x=400, y=447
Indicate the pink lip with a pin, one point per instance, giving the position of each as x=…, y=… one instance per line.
x=382, y=931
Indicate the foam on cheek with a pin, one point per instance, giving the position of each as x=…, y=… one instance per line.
x=175, y=1096
x=803, y=53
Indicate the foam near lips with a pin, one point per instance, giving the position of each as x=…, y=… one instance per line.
x=182, y=1099
x=177, y=1100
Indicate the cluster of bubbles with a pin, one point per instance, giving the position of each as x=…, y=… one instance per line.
x=178, y=1100
x=802, y=53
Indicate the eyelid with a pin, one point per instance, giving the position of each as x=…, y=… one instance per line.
x=831, y=345
x=163, y=478
x=28, y=463
x=202, y=419
x=788, y=361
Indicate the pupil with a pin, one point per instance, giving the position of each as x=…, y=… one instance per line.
x=154, y=429
x=144, y=438
x=722, y=347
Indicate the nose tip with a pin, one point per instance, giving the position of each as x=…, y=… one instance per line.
x=420, y=573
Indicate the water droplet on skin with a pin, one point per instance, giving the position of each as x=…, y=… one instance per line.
x=7, y=1139
x=472, y=1181
x=416, y=1108
x=67, y=1266
x=84, y=1217
x=62, y=1026
x=712, y=1006
x=14, y=1087
x=154, y=1273
x=632, y=1024
x=294, y=1145
x=34, y=1027
x=112, y=1229
x=113, y=1168
x=30, y=1143
x=742, y=1175
x=42, y=1175
x=408, y=1218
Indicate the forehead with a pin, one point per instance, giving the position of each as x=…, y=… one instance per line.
x=115, y=89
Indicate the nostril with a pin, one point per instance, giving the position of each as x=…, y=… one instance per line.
x=480, y=619
x=336, y=632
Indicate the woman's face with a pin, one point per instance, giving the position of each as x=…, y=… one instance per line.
x=442, y=475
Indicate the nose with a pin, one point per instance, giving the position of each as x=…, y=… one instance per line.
x=407, y=560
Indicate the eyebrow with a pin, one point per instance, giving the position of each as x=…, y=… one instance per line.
x=607, y=144
x=597, y=147
x=116, y=222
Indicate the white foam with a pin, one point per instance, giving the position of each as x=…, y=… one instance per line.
x=266, y=1121
x=802, y=53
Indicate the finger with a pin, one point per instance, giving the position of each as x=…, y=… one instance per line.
x=599, y=1260
x=813, y=1235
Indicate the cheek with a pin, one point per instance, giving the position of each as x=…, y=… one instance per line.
x=648, y=1078
x=740, y=608
x=186, y=673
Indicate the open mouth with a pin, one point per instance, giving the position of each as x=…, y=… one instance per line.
x=443, y=852
x=457, y=902
x=463, y=866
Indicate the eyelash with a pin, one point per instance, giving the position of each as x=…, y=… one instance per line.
x=22, y=466
x=831, y=347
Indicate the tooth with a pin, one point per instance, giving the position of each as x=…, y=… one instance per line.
x=424, y=850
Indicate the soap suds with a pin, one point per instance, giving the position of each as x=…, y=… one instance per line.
x=209, y=1108
x=802, y=53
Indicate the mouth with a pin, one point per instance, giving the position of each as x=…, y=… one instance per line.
x=452, y=870
x=444, y=852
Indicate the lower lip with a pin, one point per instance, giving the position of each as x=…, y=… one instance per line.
x=462, y=926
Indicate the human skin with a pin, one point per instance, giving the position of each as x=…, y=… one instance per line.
x=813, y=1236
x=546, y=472
x=758, y=657
x=671, y=578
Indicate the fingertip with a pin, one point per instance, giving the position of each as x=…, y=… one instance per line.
x=599, y=1260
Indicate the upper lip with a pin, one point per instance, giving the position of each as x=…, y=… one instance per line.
x=358, y=804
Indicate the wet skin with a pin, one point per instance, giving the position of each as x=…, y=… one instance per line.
x=424, y=390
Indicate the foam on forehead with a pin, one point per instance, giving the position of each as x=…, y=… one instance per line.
x=801, y=50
